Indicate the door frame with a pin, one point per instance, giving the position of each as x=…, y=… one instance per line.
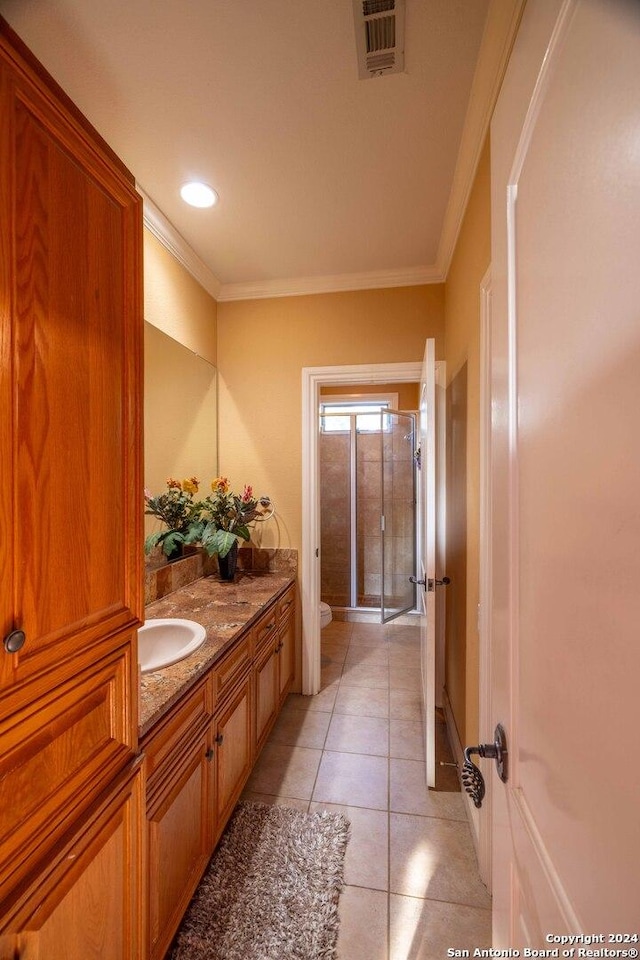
x=313, y=378
x=482, y=820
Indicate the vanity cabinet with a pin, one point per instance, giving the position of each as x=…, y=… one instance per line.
x=70, y=518
x=199, y=757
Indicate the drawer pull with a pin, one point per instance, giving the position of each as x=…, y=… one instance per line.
x=267, y=628
x=219, y=739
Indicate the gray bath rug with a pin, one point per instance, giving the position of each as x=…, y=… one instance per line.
x=271, y=890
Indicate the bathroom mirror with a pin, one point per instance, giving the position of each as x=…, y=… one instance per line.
x=180, y=415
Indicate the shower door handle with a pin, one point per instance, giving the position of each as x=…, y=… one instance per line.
x=416, y=581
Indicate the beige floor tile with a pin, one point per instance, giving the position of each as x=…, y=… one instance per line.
x=369, y=637
x=406, y=739
x=405, y=704
x=332, y=653
x=349, y=734
x=404, y=656
x=300, y=728
x=404, y=678
x=352, y=779
x=435, y=859
x=409, y=793
x=426, y=929
x=283, y=770
x=362, y=701
x=335, y=640
x=330, y=674
x=336, y=629
x=363, y=924
x=367, y=860
x=276, y=801
x=322, y=701
x=373, y=655
x=366, y=675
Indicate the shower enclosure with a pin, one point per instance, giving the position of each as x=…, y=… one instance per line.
x=367, y=507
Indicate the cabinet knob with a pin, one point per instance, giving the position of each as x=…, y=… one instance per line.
x=219, y=739
x=209, y=754
x=14, y=641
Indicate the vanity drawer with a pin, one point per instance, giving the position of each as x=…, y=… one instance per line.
x=286, y=603
x=176, y=731
x=231, y=667
x=265, y=628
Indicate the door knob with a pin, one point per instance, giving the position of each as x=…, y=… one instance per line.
x=472, y=779
x=14, y=641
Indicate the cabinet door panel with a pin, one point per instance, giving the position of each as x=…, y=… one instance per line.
x=59, y=751
x=266, y=692
x=179, y=844
x=69, y=520
x=287, y=652
x=86, y=903
x=234, y=754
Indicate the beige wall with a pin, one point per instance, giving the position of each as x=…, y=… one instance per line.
x=408, y=393
x=176, y=303
x=462, y=345
x=263, y=346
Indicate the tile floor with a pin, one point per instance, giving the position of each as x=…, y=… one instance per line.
x=412, y=885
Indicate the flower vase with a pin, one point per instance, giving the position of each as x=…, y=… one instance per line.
x=227, y=564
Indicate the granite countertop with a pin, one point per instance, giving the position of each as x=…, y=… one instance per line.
x=224, y=610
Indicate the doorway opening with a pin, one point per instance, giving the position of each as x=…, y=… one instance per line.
x=367, y=503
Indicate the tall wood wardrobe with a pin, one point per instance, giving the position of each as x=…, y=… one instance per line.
x=71, y=791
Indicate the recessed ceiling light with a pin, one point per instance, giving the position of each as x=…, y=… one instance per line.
x=198, y=194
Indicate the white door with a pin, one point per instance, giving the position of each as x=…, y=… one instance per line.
x=427, y=554
x=565, y=145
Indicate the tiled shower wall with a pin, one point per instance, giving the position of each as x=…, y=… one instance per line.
x=335, y=513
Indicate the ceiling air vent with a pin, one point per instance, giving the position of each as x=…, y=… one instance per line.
x=379, y=36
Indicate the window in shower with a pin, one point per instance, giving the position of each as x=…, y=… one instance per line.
x=367, y=498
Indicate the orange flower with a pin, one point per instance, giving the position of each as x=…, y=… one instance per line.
x=220, y=485
x=173, y=484
x=190, y=486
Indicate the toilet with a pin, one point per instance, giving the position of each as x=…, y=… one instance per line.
x=325, y=614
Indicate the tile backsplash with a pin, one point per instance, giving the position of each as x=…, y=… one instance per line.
x=162, y=578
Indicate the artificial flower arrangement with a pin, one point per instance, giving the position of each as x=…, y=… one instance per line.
x=217, y=522
x=226, y=516
x=178, y=511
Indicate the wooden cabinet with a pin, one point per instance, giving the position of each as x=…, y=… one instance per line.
x=267, y=683
x=84, y=901
x=199, y=757
x=180, y=792
x=233, y=743
x=70, y=508
x=286, y=642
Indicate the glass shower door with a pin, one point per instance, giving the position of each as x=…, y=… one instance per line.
x=398, y=514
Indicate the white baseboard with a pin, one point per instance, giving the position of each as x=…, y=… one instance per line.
x=456, y=746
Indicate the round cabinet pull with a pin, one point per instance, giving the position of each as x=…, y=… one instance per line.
x=14, y=641
x=219, y=739
x=209, y=753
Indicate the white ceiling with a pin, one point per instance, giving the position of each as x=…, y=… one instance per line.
x=320, y=174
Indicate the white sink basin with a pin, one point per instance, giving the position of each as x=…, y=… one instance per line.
x=163, y=642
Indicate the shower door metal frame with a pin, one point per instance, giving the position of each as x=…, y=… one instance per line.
x=412, y=606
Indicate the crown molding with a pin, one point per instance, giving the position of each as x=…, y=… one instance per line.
x=164, y=231
x=503, y=19
x=303, y=286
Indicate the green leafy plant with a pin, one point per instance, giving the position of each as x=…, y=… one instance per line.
x=178, y=511
x=225, y=516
